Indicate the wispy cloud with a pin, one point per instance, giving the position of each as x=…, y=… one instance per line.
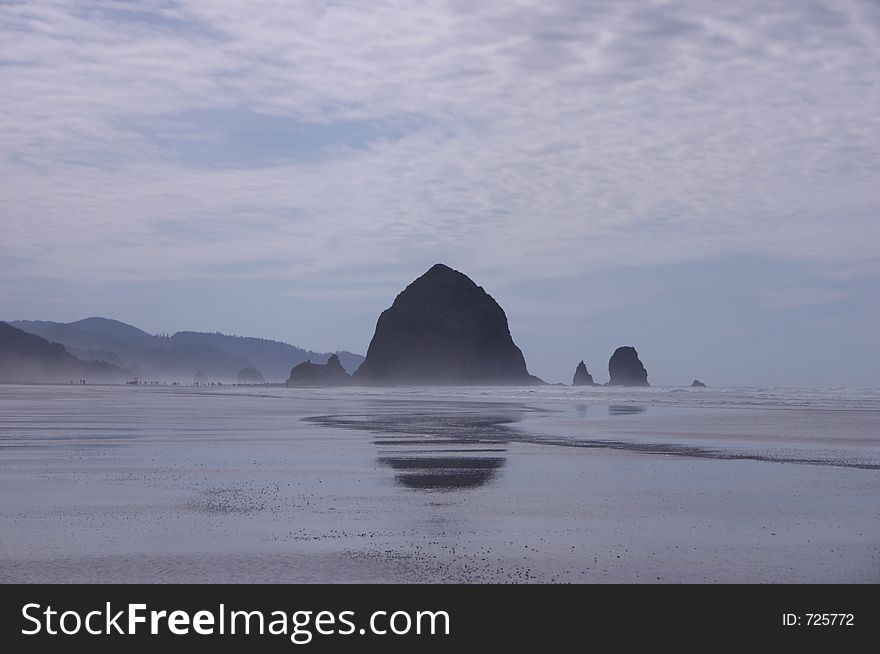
x=314, y=140
x=572, y=133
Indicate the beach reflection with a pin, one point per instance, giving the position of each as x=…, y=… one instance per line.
x=625, y=410
x=443, y=472
x=438, y=446
x=445, y=451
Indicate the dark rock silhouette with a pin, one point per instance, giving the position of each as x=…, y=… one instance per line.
x=26, y=357
x=443, y=329
x=581, y=376
x=315, y=374
x=698, y=384
x=250, y=376
x=625, y=369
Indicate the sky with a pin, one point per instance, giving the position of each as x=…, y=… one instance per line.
x=697, y=179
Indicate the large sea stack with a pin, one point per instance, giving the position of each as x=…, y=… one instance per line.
x=315, y=374
x=625, y=369
x=581, y=376
x=443, y=329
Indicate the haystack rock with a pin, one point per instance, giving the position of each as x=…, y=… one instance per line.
x=443, y=329
x=581, y=376
x=698, y=384
x=625, y=369
x=315, y=374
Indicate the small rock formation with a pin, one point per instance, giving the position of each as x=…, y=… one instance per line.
x=443, y=329
x=315, y=374
x=698, y=384
x=625, y=369
x=581, y=376
x=250, y=376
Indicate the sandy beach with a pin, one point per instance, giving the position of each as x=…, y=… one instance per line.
x=552, y=484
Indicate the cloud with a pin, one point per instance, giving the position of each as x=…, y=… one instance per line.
x=513, y=139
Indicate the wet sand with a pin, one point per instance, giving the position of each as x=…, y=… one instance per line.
x=121, y=484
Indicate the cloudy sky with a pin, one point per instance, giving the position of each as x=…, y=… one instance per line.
x=697, y=179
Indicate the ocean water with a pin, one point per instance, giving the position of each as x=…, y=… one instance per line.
x=550, y=484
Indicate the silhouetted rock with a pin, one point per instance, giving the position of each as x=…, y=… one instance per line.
x=443, y=329
x=315, y=374
x=625, y=369
x=581, y=376
x=698, y=384
x=250, y=376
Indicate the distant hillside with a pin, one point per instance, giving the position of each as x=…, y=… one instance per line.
x=273, y=358
x=26, y=357
x=114, y=329
x=178, y=357
x=146, y=355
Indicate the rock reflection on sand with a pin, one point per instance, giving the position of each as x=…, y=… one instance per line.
x=625, y=410
x=439, y=448
x=443, y=473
